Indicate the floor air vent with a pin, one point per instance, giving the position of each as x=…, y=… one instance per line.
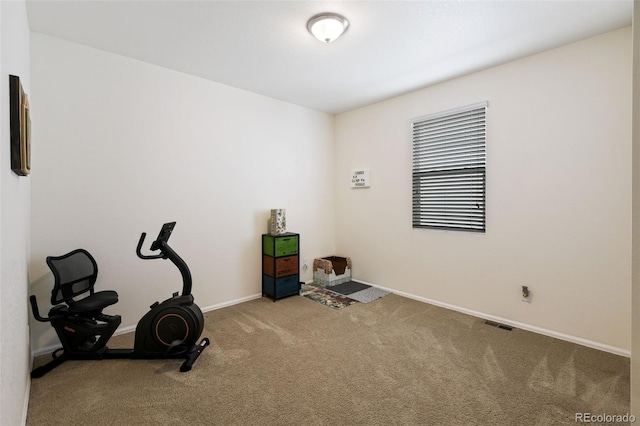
x=497, y=325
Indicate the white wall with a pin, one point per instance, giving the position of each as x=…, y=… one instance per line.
x=14, y=227
x=124, y=146
x=558, y=195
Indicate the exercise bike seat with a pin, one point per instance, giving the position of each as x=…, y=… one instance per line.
x=75, y=274
x=95, y=302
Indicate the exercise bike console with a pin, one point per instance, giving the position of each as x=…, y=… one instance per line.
x=163, y=236
x=169, y=330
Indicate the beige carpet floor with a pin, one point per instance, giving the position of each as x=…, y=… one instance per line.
x=394, y=361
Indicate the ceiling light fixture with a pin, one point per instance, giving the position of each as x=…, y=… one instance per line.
x=327, y=27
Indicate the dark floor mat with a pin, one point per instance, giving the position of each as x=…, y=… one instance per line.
x=348, y=287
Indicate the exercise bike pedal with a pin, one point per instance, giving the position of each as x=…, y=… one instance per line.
x=177, y=347
x=56, y=353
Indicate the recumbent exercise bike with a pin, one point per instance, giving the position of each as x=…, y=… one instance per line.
x=169, y=330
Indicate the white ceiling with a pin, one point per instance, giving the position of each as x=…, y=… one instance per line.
x=390, y=48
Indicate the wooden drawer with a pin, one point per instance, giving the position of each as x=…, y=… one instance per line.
x=277, y=288
x=283, y=265
x=280, y=245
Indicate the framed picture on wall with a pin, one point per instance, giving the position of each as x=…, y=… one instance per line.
x=20, y=127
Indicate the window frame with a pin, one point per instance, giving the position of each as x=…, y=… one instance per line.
x=449, y=169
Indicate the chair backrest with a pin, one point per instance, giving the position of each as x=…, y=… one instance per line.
x=75, y=273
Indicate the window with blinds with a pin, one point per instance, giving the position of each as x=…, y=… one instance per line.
x=449, y=176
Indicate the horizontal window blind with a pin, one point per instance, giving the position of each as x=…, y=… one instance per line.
x=449, y=170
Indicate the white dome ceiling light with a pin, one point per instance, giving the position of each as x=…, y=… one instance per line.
x=327, y=27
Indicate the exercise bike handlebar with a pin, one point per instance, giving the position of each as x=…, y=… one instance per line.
x=139, y=250
x=36, y=311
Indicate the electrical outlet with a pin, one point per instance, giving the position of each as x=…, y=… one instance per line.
x=526, y=294
x=305, y=264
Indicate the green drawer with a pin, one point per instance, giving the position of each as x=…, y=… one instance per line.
x=280, y=245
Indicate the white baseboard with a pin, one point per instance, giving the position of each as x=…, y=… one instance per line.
x=25, y=406
x=231, y=302
x=43, y=351
x=516, y=324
